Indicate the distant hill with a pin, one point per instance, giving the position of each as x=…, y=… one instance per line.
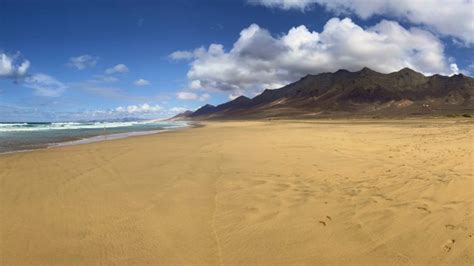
x=181, y=116
x=364, y=93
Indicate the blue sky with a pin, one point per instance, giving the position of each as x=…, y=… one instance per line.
x=70, y=60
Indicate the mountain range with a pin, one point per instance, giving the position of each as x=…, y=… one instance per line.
x=364, y=93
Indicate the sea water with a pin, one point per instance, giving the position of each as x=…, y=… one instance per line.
x=27, y=136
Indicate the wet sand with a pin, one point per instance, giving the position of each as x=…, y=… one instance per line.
x=276, y=192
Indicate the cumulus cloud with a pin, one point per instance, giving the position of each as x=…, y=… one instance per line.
x=195, y=84
x=83, y=61
x=187, y=55
x=454, y=68
x=141, y=82
x=178, y=110
x=45, y=85
x=447, y=17
x=120, y=68
x=186, y=95
x=259, y=60
x=180, y=55
x=138, y=109
x=11, y=67
x=284, y=4
x=183, y=95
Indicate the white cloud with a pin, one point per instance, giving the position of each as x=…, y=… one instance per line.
x=45, y=85
x=186, y=95
x=454, y=68
x=141, y=82
x=120, y=68
x=233, y=96
x=447, y=17
x=178, y=109
x=83, y=61
x=204, y=97
x=138, y=109
x=284, y=4
x=11, y=68
x=103, y=79
x=195, y=84
x=145, y=110
x=187, y=55
x=180, y=55
x=258, y=60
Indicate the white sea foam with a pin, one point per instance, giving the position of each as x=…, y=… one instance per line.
x=27, y=136
x=12, y=124
x=28, y=127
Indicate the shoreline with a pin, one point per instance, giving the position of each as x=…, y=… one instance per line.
x=201, y=123
x=101, y=138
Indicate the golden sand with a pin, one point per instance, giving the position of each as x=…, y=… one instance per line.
x=345, y=192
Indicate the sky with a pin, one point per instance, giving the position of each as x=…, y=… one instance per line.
x=88, y=60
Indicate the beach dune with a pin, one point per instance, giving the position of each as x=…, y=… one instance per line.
x=396, y=192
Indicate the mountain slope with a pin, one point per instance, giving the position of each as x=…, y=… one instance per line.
x=362, y=93
x=181, y=116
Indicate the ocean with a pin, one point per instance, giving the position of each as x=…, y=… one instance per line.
x=29, y=136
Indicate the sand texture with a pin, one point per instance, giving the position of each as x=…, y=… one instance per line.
x=247, y=193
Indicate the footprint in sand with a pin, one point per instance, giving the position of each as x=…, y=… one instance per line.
x=449, y=226
x=447, y=248
x=325, y=223
x=424, y=209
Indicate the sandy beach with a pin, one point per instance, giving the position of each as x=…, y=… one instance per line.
x=395, y=192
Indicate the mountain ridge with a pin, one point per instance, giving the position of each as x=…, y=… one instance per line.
x=351, y=94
